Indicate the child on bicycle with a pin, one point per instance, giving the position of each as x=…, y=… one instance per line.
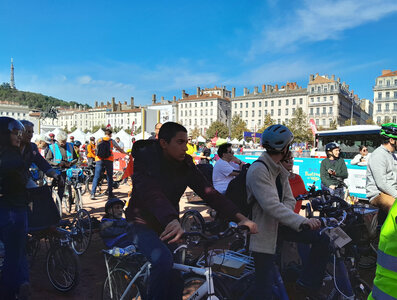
x=114, y=229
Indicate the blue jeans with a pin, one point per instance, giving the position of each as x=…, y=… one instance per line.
x=164, y=282
x=108, y=166
x=13, y=233
x=313, y=269
x=338, y=192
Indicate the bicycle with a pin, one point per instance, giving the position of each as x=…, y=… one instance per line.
x=62, y=262
x=345, y=251
x=74, y=179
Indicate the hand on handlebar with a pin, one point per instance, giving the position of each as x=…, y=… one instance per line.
x=313, y=223
x=172, y=230
x=250, y=224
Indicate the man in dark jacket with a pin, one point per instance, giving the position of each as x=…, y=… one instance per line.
x=162, y=171
x=31, y=153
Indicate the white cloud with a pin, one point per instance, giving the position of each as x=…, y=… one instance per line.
x=320, y=20
x=101, y=82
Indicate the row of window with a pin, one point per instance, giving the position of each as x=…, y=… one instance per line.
x=386, y=107
x=258, y=113
x=189, y=105
x=379, y=120
x=196, y=122
x=271, y=102
x=386, y=95
x=324, y=99
x=13, y=114
x=322, y=89
x=322, y=109
x=388, y=82
x=202, y=112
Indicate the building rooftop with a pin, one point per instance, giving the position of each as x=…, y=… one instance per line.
x=388, y=74
x=202, y=97
x=321, y=79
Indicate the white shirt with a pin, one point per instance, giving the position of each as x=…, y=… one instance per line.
x=221, y=174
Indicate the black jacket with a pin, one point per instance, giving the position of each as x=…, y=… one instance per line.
x=13, y=177
x=160, y=183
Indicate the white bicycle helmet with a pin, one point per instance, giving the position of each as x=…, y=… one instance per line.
x=276, y=137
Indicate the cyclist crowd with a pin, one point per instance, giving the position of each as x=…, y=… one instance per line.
x=162, y=172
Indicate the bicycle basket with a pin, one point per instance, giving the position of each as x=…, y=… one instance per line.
x=229, y=263
x=364, y=229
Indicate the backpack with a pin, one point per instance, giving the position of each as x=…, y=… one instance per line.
x=103, y=149
x=237, y=190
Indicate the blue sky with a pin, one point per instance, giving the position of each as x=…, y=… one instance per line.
x=94, y=50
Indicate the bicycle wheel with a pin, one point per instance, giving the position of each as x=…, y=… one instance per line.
x=57, y=201
x=102, y=186
x=193, y=282
x=63, y=268
x=81, y=231
x=78, y=199
x=117, y=282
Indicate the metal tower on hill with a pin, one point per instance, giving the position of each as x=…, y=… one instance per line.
x=12, y=81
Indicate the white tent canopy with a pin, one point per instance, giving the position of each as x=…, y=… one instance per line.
x=99, y=134
x=241, y=142
x=200, y=139
x=124, y=137
x=140, y=136
x=55, y=132
x=235, y=141
x=78, y=135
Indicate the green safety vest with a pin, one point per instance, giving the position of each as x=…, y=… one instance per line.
x=385, y=282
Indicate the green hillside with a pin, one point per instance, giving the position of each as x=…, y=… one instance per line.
x=33, y=100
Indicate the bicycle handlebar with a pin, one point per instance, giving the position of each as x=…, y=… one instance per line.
x=232, y=229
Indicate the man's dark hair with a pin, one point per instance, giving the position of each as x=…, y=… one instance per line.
x=108, y=131
x=169, y=130
x=223, y=149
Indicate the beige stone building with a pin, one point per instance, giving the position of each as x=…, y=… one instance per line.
x=203, y=108
x=385, y=97
x=325, y=100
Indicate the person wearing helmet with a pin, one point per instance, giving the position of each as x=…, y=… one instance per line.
x=381, y=183
x=91, y=151
x=13, y=211
x=270, y=196
x=52, y=138
x=114, y=229
x=333, y=170
x=62, y=155
x=76, y=147
x=31, y=154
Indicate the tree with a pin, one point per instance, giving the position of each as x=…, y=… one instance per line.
x=333, y=124
x=195, y=133
x=138, y=130
x=97, y=127
x=238, y=126
x=348, y=122
x=370, y=121
x=300, y=127
x=219, y=127
x=266, y=123
x=73, y=128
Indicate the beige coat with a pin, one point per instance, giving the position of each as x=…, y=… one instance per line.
x=268, y=211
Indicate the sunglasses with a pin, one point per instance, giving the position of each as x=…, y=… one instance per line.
x=364, y=150
x=231, y=152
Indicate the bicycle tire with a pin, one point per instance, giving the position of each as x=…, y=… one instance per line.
x=192, y=221
x=78, y=199
x=57, y=201
x=63, y=268
x=192, y=282
x=83, y=229
x=119, y=280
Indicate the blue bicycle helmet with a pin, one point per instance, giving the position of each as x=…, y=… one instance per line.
x=331, y=146
x=276, y=137
x=77, y=143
